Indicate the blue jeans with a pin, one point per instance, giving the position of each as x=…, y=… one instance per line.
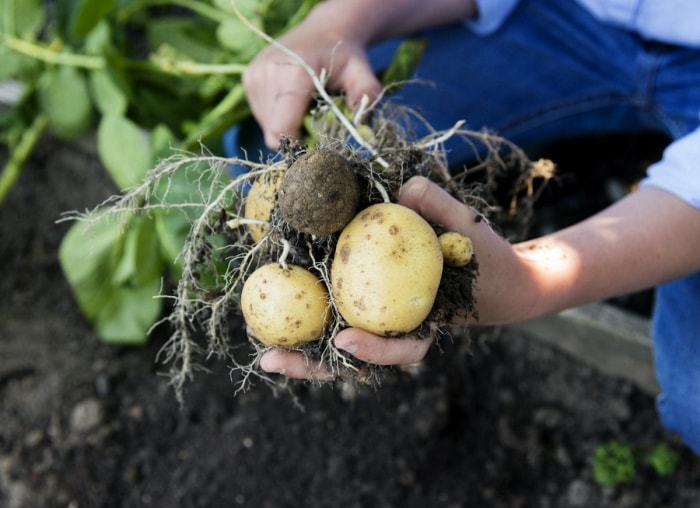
x=553, y=71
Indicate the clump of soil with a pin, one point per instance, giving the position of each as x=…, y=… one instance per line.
x=319, y=193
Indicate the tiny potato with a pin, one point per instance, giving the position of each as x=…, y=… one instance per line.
x=386, y=270
x=260, y=201
x=285, y=306
x=457, y=249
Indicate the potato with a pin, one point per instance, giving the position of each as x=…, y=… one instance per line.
x=457, y=249
x=319, y=193
x=386, y=270
x=259, y=203
x=285, y=306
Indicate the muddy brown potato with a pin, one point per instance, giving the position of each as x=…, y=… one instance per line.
x=319, y=193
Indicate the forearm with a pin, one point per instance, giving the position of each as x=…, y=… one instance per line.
x=648, y=238
x=371, y=21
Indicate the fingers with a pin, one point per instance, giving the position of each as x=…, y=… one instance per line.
x=279, y=89
x=362, y=345
x=357, y=79
x=279, y=93
x=435, y=204
x=293, y=364
x=382, y=350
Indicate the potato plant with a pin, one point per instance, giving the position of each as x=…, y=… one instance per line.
x=146, y=77
x=318, y=243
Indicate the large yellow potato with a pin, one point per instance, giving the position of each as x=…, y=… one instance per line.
x=386, y=270
x=285, y=306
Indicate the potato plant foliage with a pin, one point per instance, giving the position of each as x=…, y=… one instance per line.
x=147, y=77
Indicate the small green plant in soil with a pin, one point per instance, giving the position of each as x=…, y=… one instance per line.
x=616, y=463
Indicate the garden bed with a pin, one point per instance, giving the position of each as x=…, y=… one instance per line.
x=493, y=420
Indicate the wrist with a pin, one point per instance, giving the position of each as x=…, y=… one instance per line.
x=365, y=22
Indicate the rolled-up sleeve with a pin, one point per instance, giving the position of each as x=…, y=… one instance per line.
x=492, y=14
x=678, y=171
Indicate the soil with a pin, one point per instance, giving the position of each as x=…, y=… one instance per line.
x=494, y=420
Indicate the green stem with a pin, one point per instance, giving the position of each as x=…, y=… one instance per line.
x=194, y=68
x=200, y=8
x=218, y=115
x=170, y=66
x=18, y=156
x=48, y=55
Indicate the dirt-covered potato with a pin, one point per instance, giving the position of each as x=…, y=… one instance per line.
x=285, y=306
x=260, y=201
x=386, y=270
x=319, y=193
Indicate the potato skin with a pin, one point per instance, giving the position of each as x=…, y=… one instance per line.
x=386, y=270
x=260, y=201
x=285, y=307
x=457, y=249
x=319, y=193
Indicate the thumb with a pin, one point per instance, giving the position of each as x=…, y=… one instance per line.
x=435, y=204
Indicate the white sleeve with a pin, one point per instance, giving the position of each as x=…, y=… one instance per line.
x=492, y=14
x=678, y=172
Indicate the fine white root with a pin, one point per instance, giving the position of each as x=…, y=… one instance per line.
x=286, y=247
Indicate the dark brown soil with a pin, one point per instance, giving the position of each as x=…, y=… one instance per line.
x=500, y=421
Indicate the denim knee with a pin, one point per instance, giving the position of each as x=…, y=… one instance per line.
x=676, y=330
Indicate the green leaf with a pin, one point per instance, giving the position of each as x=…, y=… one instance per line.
x=280, y=15
x=98, y=41
x=65, y=99
x=172, y=229
x=106, y=93
x=128, y=313
x=162, y=141
x=407, y=57
x=140, y=261
x=186, y=38
x=88, y=14
x=90, y=255
x=614, y=463
x=663, y=459
x=250, y=9
x=21, y=18
x=124, y=150
x=233, y=35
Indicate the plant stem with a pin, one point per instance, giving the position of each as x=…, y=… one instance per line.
x=45, y=54
x=200, y=8
x=194, y=68
x=217, y=115
x=18, y=156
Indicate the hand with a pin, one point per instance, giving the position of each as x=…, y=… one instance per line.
x=434, y=204
x=279, y=90
x=334, y=36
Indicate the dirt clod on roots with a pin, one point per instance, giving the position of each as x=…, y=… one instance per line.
x=319, y=193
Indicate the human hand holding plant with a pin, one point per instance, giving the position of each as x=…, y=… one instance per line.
x=332, y=40
x=621, y=249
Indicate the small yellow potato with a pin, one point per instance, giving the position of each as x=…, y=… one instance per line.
x=457, y=249
x=260, y=201
x=386, y=270
x=285, y=306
